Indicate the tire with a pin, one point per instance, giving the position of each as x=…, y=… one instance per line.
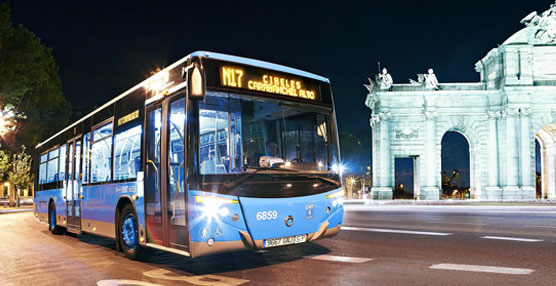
x=128, y=234
x=52, y=227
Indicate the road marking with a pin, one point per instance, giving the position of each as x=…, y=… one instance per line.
x=395, y=231
x=512, y=238
x=388, y=220
x=336, y=258
x=207, y=279
x=479, y=268
x=464, y=223
x=542, y=226
x=118, y=282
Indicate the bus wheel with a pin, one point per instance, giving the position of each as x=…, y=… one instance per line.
x=129, y=233
x=54, y=229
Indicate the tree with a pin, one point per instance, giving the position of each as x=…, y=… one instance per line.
x=20, y=175
x=450, y=182
x=29, y=84
x=4, y=166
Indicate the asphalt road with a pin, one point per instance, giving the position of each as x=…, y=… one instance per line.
x=379, y=245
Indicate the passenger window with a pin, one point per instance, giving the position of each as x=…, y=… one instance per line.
x=42, y=169
x=86, y=153
x=52, y=166
x=214, y=142
x=101, y=154
x=127, y=153
x=62, y=169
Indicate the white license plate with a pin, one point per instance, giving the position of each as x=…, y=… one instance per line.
x=273, y=242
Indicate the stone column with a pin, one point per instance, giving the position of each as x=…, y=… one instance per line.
x=493, y=190
x=382, y=188
x=430, y=191
x=528, y=183
x=511, y=189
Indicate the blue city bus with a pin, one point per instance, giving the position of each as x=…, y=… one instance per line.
x=215, y=153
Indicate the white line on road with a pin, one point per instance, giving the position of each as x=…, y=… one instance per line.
x=541, y=226
x=512, y=238
x=464, y=223
x=336, y=258
x=479, y=268
x=395, y=231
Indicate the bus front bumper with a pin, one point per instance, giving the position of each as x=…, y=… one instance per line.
x=202, y=248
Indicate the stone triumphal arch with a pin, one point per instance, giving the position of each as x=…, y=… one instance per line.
x=501, y=116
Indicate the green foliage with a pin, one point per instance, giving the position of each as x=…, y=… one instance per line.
x=4, y=164
x=450, y=182
x=20, y=174
x=30, y=83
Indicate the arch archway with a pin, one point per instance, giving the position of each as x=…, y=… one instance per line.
x=546, y=138
x=455, y=165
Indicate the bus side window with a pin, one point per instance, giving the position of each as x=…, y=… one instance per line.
x=101, y=154
x=62, y=168
x=52, y=166
x=86, y=155
x=42, y=168
x=127, y=151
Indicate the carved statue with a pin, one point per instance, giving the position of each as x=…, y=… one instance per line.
x=544, y=23
x=430, y=80
x=385, y=79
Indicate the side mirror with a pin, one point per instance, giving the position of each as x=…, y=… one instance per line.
x=195, y=81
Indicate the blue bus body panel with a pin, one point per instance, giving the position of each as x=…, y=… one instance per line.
x=43, y=197
x=204, y=224
x=42, y=200
x=98, y=208
x=309, y=213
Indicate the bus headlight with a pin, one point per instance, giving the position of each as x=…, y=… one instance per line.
x=338, y=168
x=214, y=206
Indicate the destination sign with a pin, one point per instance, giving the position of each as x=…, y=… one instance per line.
x=266, y=82
x=223, y=75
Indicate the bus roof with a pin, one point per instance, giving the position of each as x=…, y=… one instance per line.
x=201, y=54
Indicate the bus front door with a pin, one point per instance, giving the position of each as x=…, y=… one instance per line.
x=165, y=173
x=73, y=185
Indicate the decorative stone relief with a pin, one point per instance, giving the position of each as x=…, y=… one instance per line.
x=514, y=112
x=461, y=120
x=431, y=114
x=376, y=118
x=406, y=132
x=545, y=25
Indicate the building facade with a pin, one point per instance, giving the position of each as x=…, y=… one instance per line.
x=501, y=116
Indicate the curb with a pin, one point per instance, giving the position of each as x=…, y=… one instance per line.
x=16, y=211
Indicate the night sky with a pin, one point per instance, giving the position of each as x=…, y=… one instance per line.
x=104, y=48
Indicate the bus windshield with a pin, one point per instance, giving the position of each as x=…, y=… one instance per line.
x=239, y=132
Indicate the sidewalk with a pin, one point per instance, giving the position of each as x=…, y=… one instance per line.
x=449, y=202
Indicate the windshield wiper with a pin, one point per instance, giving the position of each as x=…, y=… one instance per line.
x=229, y=185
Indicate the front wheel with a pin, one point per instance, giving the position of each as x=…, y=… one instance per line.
x=129, y=233
x=54, y=229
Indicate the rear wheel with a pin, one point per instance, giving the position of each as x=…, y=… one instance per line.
x=54, y=229
x=129, y=233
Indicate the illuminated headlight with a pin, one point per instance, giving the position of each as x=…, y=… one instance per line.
x=338, y=168
x=214, y=206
